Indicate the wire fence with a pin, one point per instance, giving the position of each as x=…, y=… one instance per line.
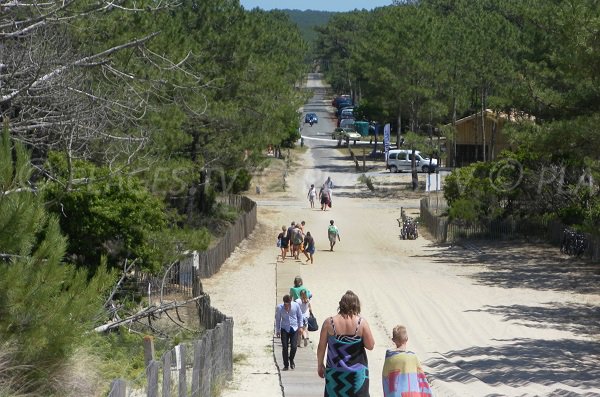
x=553, y=231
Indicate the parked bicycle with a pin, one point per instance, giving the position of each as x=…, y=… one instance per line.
x=408, y=226
x=573, y=243
x=409, y=229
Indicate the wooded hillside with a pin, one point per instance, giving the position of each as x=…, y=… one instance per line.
x=307, y=21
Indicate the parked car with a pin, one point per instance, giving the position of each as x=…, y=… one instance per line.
x=338, y=101
x=401, y=160
x=347, y=123
x=346, y=134
x=338, y=113
x=347, y=113
x=311, y=117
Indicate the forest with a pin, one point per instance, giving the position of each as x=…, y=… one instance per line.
x=422, y=65
x=122, y=121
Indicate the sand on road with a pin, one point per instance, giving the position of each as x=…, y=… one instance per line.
x=486, y=319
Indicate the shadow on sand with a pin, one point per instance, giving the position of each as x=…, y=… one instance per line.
x=520, y=264
x=518, y=362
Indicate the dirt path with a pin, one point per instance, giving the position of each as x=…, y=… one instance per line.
x=486, y=319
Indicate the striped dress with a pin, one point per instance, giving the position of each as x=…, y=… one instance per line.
x=347, y=372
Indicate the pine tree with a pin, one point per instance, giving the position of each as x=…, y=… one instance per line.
x=45, y=305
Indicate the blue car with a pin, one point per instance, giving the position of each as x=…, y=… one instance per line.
x=311, y=118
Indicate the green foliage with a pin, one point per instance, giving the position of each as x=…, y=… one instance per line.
x=472, y=194
x=121, y=355
x=462, y=210
x=307, y=20
x=231, y=92
x=431, y=62
x=46, y=306
x=112, y=216
x=233, y=181
x=367, y=180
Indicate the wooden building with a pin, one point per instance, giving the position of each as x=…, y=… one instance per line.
x=471, y=139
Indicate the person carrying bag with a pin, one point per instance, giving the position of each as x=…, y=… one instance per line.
x=313, y=324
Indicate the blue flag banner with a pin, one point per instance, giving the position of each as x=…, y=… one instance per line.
x=386, y=139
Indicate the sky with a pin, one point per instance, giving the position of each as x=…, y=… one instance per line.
x=319, y=5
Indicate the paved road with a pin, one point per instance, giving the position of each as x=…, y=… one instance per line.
x=471, y=317
x=487, y=319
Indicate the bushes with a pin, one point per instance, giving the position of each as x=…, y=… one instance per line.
x=471, y=194
x=46, y=306
x=114, y=217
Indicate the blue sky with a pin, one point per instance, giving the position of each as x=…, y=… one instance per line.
x=336, y=5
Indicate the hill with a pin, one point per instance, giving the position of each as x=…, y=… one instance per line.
x=307, y=20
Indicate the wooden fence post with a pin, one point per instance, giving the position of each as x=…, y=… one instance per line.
x=152, y=375
x=364, y=160
x=148, y=349
x=118, y=388
x=229, y=344
x=196, y=372
x=182, y=373
x=166, y=384
x=205, y=363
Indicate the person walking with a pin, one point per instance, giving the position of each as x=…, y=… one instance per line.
x=298, y=288
x=290, y=232
x=297, y=239
x=333, y=234
x=325, y=197
x=288, y=320
x=283, y=242
x=402, y=373
x=329, y=185
x=309, y=247
x=312, y=194
x=304, y=303
x=345, y=337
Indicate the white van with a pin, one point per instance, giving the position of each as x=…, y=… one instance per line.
x=401, y=160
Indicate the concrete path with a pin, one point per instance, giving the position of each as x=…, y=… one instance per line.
x=302, y=381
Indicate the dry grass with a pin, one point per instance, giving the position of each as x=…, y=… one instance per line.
x=79, y=376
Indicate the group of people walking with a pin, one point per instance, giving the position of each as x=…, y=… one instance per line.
x=294, y=240
x=291, y=321
x=341, y=353
x=344, y=337
x=325, y=194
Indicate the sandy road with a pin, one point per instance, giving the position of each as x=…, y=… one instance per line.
x=487, y=320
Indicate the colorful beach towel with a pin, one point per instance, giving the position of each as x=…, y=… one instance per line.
x=403, y=375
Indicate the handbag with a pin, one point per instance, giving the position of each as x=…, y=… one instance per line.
x=312, y=323
x=279, y=242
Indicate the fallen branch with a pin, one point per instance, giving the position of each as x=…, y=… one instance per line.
x=146, y=312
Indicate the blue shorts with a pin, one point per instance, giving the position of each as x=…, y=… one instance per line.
x=310, y=250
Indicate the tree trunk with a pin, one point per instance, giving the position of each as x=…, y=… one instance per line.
x=493, y=137
x=483, y=98
x=413, y=166
x=454, y=131
x=399, y=131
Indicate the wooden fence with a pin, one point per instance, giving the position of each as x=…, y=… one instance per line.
x=212, y=259
x=194, y=370
x=179, y=374
x=183, y=276
x=444, y=231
